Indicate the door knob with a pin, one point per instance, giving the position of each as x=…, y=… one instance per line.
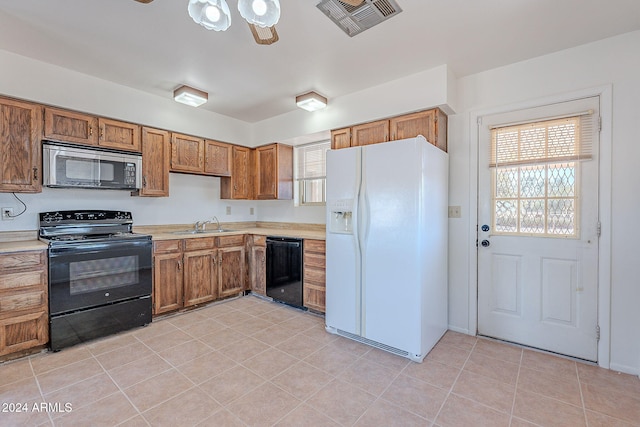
x=485, y=243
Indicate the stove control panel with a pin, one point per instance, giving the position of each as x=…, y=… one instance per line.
x=69, y=217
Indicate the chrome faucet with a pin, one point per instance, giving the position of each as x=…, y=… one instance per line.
x=199, y=226
x=217, y=222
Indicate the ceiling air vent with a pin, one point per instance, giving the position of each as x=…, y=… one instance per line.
x=355, y=19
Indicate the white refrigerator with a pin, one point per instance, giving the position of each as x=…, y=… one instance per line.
x=386, y=257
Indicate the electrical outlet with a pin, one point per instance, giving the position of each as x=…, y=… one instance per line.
x=454, y=212
x=251, y=211
x=7, y=213
x=228, y=210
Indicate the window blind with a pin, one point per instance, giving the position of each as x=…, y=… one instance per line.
x=558, y=139
x=312, y=160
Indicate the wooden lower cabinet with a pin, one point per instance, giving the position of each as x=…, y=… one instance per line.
x=24, y=315
x=195, y=271
x=314, y=283
x=257, y=259
x=200, y=277
x=231, y=263
x=167, y=276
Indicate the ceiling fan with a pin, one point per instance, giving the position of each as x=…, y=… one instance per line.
x=261, y=15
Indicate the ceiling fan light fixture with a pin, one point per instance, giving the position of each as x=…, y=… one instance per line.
x=263, y=13
x=264, y=35
x=190, y=96
x=211, y=14
x=311, y=101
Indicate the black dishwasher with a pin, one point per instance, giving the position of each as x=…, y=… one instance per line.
x=284, y=270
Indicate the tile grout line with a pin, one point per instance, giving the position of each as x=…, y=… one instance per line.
x=515, y=389
x=455, y=381
x=35, y=377
x=584, y=408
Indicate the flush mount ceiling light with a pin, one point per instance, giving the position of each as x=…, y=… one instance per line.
x=190, y=96
x=311, y=101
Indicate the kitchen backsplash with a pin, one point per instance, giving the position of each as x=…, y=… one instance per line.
x=192, y=198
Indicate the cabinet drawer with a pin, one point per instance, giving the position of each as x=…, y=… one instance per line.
x=315, y=275
x=24, y=332
x=314, y=246
x=314, y=260
x=259, y=240
x=228, y=241
x=199, y=243
x=23, y=279
x=167, y=246
x=20, y=260
x=22, y=301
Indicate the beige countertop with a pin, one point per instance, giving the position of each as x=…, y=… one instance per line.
x=27, y=240
x=172, y=232
x=22, y=245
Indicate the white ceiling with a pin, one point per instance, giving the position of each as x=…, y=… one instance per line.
x=157, y=47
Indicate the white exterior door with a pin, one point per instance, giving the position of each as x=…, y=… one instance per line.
x=538, y=232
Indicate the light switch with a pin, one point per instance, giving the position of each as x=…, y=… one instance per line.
x=228, y=210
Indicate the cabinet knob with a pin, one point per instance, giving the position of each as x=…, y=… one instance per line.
x=35, y=173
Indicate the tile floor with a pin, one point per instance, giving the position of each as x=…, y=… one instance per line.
x=256, y=363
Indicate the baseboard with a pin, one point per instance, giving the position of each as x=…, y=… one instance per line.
x=460, y=330
x=633, y=370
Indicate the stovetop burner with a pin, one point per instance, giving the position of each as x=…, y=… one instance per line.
x=62, y=227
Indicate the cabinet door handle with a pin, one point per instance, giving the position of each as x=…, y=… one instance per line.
x=179, y=265
x=35, y=173
x=90, y=130
x=144, y=181
x=101, y=132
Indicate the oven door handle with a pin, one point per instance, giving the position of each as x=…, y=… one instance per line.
x=84, y=247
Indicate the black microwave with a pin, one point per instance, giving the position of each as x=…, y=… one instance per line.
x=71, y=166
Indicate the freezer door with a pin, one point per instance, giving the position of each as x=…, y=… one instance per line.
x=342, y=251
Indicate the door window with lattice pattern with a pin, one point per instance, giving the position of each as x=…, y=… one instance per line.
x=535, y=177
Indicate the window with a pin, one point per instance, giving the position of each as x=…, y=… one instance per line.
x=310, y=173
x=535, y=176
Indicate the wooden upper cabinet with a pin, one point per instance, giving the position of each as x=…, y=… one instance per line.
x=432, y=124
x=274, y=172
x=217, y=159
x=20, y=147
x=340, y=138
x=370, y=133
x=70, y=126
x=119, y=135
x=238, y=185
x=187, y=153
x=156, y=157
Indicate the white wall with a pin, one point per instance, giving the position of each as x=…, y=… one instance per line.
x=192, y=198
x=615, y=62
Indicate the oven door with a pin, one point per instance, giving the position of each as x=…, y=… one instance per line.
x=90, y=274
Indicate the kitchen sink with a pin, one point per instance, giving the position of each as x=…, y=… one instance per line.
x=212, y=231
